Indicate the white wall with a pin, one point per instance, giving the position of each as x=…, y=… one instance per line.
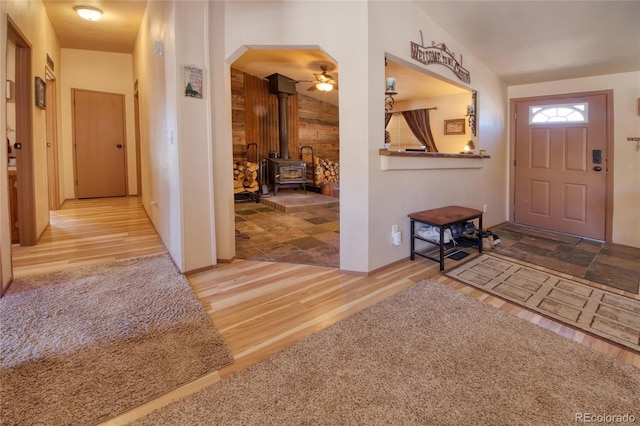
x=175, y=131
x=102, y=72
x=156, y=75
x=344, y=37
x=194, y=137
x=626, y=159
x=357, y=36
x=220, y=92
x=396, y=193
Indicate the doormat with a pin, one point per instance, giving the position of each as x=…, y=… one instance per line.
x=598, y=312
x=460, y=254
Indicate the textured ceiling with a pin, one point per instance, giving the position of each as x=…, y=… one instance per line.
x=520, y=41
x=535, y=41
x=115, y=32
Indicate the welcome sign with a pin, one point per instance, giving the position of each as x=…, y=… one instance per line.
x=440, y=54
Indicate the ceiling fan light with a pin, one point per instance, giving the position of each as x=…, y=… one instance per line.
x=323, y=86
x=89, y=13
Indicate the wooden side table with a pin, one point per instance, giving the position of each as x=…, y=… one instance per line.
x=442, y=218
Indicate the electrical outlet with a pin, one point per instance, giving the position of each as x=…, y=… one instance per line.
x=396, y=236
x=484, y=208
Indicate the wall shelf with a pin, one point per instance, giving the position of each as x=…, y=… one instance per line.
x=412, y=160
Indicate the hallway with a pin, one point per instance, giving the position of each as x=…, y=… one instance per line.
x=87, y=232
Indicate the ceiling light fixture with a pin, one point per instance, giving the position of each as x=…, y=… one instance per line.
x=324, y=86
x=88, y=12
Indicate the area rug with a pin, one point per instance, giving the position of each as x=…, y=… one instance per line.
x=605, y=314
x=426, y=356
x=83, y=345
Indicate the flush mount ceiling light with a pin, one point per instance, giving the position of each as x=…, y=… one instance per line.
x=88, y=12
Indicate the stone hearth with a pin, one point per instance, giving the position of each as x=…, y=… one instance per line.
x=293, y=201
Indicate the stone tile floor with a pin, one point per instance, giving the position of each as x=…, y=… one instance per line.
x=610, y=264
x=313, y=238
x=307, y=237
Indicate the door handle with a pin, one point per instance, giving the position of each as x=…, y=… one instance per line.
x=119, y=146
x=597, y=168
x=17, y=145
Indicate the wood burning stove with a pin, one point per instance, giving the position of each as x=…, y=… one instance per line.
x=287, y=172
x=284, y=171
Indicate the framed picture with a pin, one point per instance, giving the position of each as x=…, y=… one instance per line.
x=193, y=81
x=41, y=93
x=454, y=127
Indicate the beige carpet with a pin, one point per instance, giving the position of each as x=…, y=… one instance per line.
x=600, y=312
x=85, y=344
x=427, y=356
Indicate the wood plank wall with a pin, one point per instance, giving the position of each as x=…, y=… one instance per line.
x=254, y=115
x=318, y=127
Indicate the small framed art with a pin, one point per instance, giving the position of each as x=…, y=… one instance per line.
x=193, y=81
x=454, y=127
x=41, y=93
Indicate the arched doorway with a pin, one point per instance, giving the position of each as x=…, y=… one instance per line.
x=289, y=224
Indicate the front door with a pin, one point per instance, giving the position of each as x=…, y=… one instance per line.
x=99, y=140
x=561, y=164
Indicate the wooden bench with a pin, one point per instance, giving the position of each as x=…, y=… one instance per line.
x=442, y=218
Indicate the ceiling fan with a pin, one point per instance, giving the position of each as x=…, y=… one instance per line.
x=324, y=82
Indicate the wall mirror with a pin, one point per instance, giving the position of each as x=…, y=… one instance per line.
x=448, y=105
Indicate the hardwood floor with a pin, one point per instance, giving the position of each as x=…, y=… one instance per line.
x=85, y=232
x=258, y=307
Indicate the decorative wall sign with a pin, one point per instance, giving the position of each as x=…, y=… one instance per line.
x=193, y=81
x=50, y=62
x=439, y=54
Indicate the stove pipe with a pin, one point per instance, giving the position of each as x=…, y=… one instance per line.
x=282, y=87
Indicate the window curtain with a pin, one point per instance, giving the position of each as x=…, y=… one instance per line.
x=418, y=121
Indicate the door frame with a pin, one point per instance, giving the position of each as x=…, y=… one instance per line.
x=24, y=88
x=136, y=116
x=53, y=165
x=608, y=94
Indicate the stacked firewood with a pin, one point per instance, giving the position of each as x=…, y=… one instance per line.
x=327, y=171
x=245, y=176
